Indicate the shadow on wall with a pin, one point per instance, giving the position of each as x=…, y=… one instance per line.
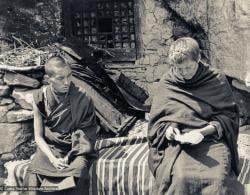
x=37, y=22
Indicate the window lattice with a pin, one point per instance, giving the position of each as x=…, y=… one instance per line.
x=105, y=23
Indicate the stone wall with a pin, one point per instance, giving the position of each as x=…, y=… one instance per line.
x=158, y=27
x=16, y=115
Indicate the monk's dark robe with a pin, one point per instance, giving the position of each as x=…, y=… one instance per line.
x=190, y=105
x=69, y=130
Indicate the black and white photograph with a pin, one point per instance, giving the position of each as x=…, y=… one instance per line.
x=124, y=97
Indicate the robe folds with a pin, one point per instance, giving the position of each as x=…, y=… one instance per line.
x=69, y=130
x=189, y=105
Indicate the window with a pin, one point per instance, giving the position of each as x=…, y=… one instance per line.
x=108, y=24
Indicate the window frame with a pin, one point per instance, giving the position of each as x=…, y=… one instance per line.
x=121, y=54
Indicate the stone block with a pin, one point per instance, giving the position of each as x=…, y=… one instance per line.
x=20, y=80
x=150, y=21
x=149, y=5
x=146, y=60
x=19, y=115
x=38, y=74
x=14, y=134
x=3, y=112
x=4, y=90
x=149, y=74
x=7, y=157
x=160, y=70
x=154, y=59
x=1, y=81
x=240, y=85
x=5, y=101
x=161, y=14
x=23, y=98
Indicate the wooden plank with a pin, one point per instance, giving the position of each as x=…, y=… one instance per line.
x=105, y=110
x=122, y=55
x=20, y=68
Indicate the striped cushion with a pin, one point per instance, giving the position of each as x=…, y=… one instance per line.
x=122, y=168
x=244, y=176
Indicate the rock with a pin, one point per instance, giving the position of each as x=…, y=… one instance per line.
x=5, y=101
x=2, y=173
x=4, y=90
x=7, y=157
x=20, y=80
x=160, y=70
x=1, y=81
x=242, y=100
x=227, y=27
x=154, y=59
x=19, y=115
x=14, y=134
x=36, y=75
x=149, y=73
x=150, y=20
x=23, y=98
x=240, y=85
x=3, y=112
x=146, y=60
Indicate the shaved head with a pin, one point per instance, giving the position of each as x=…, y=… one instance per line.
x=55, y=63
x=59, y=74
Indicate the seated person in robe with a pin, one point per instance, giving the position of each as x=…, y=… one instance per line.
x=65, y=132
x=193, y=128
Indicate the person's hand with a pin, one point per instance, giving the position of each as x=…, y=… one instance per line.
x=59, y=163
x=66, y=160
x=171, y=132
x=192, y=137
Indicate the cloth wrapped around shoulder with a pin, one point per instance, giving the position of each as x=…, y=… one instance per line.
x=70, y=131
x=189, y=105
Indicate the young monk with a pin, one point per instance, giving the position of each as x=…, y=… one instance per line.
x=193, y=128
x=65, y=133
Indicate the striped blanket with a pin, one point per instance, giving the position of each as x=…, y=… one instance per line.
x=121, y=168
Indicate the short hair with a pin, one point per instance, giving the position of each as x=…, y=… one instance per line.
x=54, y=62
x=182, y=49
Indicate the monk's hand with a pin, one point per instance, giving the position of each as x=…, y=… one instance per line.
x=192, y=137
x=171, y=132
x=59, y=163
x=66, y=160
